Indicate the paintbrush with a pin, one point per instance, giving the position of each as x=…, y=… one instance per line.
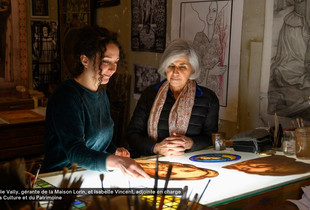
x=298, y=122
x=73, y=168
x=276, y=128
x=64, y=172
x=204, y=191
x=185, y=190
x=302, y=122
x=184, y=200
x=155, y=183
x=192, y=204
x=36, y=176
x=101, y=180
x=128, y=202
x=293, y=123
x=138, y=203
x=67, y=200
x=165, y=187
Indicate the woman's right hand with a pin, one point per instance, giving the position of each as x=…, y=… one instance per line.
x=170, y=146
x=127, y=165
x=121, y=151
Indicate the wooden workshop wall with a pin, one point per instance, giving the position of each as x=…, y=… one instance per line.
x=118, y=19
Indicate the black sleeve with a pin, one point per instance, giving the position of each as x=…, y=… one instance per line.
x=137, y=136
x=204, y=139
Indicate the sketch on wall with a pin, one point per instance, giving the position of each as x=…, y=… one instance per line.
x=148, y=27
x=285, y=88
x=45, y=56
x=211, y=25
x=144, y=77
x=211, y=42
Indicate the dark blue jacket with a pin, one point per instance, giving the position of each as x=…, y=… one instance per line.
x=203, y=121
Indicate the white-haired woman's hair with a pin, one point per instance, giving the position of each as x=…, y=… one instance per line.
x=176, y=49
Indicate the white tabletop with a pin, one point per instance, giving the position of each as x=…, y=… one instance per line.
x=229, y=184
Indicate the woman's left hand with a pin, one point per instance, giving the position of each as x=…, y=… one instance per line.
x=121, y=151
x=30, y=177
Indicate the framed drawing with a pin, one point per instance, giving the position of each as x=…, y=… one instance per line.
x=144, y=77
x=13, y=45
x=148, y=26
x=73, y=14
x=45, y=55
x=211, y=25
x=285, y=81
x=39, y=8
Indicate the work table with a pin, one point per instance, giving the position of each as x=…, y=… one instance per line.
x=231, y=188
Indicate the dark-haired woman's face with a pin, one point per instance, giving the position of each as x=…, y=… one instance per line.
x=109, y=63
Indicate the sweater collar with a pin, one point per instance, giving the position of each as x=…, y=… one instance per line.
x=96, y=94
x=199, y=92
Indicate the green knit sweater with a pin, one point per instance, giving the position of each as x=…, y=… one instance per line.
x=79, y=128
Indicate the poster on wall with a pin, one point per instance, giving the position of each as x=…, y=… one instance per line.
x=13, y=44
x=285, y=84
x=45, y=55
x=39, y=8
x=148, y=26
x=73, y=14
x=211, y=26
x=144, y=77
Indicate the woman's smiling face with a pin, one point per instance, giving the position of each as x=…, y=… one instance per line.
x=109, y=62
x=178, y=72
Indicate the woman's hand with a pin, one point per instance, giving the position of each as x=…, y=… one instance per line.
x=188, y=142
x=127, y=165
x=173, y=145
x=30, y=176
x=121, y=151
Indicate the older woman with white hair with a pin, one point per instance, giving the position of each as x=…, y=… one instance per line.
x=176, y=115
